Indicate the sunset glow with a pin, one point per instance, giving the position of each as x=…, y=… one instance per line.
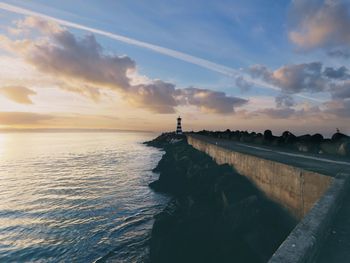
x=66, y=70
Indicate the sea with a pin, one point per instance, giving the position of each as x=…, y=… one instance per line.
x=77, y=196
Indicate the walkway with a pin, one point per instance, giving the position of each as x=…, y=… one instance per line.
x=336, y=248
x=327, y=165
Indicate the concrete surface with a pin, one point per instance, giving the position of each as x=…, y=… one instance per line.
x=306, y=243
x=327, y=165
x=336, y=248
x=316, y=189
x=294, y=187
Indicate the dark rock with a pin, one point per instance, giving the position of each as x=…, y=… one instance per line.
x=339, y=136
x=316, y=138
x=216, y=215
x=288, y=137
x=268, y=135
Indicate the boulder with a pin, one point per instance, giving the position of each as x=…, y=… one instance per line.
x=268, y=135
x=316, y=138
x=303, y=147
x=344, y=149
x=339, y=136
x=329, y=147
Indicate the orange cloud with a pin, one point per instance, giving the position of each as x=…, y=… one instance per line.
x=22, y=118
x=18, y=94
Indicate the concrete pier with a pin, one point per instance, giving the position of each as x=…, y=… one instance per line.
x=310, y=187
x=295, y=188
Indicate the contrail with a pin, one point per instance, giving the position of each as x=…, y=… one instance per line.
x=159, y=49
x=231, y=72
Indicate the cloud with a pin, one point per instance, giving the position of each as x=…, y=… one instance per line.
x=284, y=101
x=159, y=49
x=18, y=94
x=157, y=97
x=339, y=108
x=303, y=112
x=341, y=90
x=83, y=59
x=340, y=73
x=81, y=65
x=320, y=23
x=31, y=22
x=23, y=118
x=307, y=77
x=209, y=101
x=243, y=84
x=215, y=67
x=339, y=53
x=292, y=78
x=282, y=113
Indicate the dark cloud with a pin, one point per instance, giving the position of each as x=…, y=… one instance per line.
x=320, y=23
x=209, y=101
x=69, y=57
x=243, y=84
x=340, y=73
x=157, y=97
x=341, y=90
x=292, y=78
x=284, y=101
x=18, y=94
x=339, y=53
x=306, y=77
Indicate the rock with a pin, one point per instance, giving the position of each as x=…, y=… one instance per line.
x=302, y=147
x=316, y=138
x=304, y=138
x=344, y=149
x=268, y=135
x=258, y=139
x=216, y=215
x=246, y=138
x=329, y=147
x=288, y=137
x=339, y=136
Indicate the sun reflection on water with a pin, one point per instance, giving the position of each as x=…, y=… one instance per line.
x=76, y=196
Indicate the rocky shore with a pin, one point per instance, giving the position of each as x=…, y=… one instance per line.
x=338, y=144
x=215, y=215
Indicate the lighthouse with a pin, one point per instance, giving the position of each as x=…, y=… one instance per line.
x=178, y=127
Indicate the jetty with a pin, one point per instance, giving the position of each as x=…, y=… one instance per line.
x=314, y=188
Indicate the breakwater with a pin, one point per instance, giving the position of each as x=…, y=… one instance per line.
x=215, y=215
x=294, y=188
x=312, y=188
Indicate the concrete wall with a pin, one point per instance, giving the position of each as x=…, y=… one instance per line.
x=305, y=241
x=294, y=188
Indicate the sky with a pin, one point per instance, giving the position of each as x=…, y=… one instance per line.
x=137, y=65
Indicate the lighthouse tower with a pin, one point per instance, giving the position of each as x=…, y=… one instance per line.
x=178, y=127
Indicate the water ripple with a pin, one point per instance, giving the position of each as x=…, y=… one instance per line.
x=76, y=197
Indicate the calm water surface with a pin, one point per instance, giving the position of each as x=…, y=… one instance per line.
x=76, y=197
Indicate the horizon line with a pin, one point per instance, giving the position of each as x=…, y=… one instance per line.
x=2, y=130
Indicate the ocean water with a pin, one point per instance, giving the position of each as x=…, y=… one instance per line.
x=76, y=197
